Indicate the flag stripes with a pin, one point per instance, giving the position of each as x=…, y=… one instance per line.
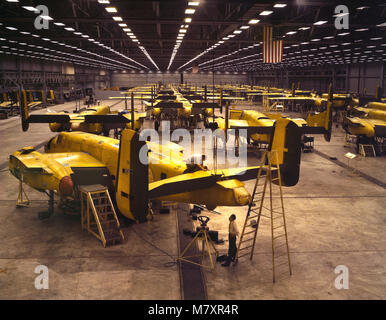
x=272, y=50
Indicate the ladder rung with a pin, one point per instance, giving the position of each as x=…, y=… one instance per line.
x=245, y=248
x=254, y=211
x=249, y=239
x=243, y=255
x=103, y=205
x=101, y=214
x=251, y=217
x=249, y=232
x=111, y=230
x=278, y=227
x=281, y=235
x=274, y=209
x=104, y=222
x=98, y=198
x=114, y=239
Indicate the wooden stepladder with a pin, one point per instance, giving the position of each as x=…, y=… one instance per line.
x=98, y=214
x=276, y=215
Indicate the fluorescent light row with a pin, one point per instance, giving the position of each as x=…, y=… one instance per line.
x=230, y=54
x=235, y=33
x=85, y=36
x=51, y=57
x=220, y=42
x=128, y=32
x=72, y=47
x=103, y=64
x=103, y=46
x=183, y=29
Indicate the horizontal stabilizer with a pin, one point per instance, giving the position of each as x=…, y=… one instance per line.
x=254, y=130
x=108, y=118
x=48, y=118
x=193, y=97
x=171, y=105
x=182, y=183
x=166, y=97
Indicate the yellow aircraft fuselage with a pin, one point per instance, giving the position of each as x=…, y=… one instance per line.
x=78, y=149
x=372, y=122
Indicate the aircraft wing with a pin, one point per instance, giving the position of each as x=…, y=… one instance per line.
x=182, y=183
x=76, y=159
x=227, y=178
x=56, y=171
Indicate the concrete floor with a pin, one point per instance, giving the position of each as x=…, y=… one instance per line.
x=334, y=217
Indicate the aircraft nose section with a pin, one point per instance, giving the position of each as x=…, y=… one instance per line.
x=241, y=196
x=66, y=186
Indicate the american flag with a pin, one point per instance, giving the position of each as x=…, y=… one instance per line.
x=272, y=50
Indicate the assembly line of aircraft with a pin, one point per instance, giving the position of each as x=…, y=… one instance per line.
x=78, y=154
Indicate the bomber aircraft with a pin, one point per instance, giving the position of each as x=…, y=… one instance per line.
x=72, y=158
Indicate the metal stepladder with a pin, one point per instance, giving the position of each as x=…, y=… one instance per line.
x=98, y=214
x=276, y=215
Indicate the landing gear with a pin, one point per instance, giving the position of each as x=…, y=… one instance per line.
x=46, y=214
x=21, y=202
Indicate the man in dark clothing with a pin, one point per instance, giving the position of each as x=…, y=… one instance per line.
x=233, y=233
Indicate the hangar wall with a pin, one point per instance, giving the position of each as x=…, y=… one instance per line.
x=355, y=78
x=37, y=73
x=131, y=79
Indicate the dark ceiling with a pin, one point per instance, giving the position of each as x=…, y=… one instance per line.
x=155, y=25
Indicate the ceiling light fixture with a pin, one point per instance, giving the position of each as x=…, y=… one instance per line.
x=111, y=9
x=266, y=13
x=318, y=23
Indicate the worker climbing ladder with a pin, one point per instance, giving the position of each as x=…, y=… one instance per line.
x=98, y=215
x=258, y=210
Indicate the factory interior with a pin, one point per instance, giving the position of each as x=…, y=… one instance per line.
x=192, y=150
